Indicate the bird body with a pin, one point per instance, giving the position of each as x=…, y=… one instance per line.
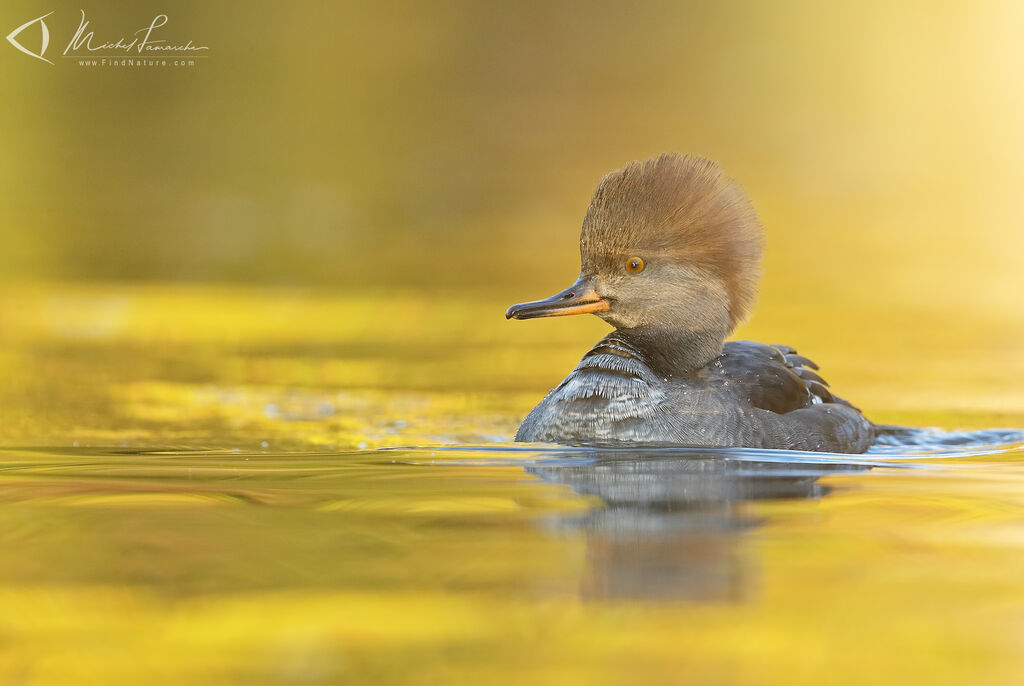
x=751, y=395
x=670, y=253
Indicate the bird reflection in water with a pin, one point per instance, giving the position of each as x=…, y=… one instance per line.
x=673, y=522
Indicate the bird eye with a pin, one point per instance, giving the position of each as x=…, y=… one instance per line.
x=634, y=265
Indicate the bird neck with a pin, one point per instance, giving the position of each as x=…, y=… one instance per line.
x=675, y=353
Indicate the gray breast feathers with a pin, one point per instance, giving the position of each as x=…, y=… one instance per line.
x=610, y=380
x=609, y=394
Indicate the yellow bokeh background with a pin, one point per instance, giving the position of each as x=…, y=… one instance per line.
x=335, y=143
x=391, y=156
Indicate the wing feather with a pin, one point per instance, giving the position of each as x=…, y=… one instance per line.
x=773, y=377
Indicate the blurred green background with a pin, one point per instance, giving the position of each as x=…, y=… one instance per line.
x=335, y=143
x=347, y=196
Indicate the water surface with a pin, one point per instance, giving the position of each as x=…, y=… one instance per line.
x=221, y=487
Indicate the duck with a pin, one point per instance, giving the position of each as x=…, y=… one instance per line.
x=671, y=252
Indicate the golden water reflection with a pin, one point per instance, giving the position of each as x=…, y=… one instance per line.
x=400, y=566
x=672, y=524
x=214, y=485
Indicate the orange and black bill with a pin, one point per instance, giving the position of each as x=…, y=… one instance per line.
x=579, y=298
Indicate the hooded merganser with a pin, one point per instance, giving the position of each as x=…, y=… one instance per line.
x=671, y=250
